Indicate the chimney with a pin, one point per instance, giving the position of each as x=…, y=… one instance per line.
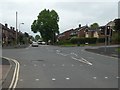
x=11, y=28
x=79, y=25
x=6, y=25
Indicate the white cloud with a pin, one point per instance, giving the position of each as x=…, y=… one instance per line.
x=71, y=13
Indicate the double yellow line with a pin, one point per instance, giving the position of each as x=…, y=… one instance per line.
x=15, y=74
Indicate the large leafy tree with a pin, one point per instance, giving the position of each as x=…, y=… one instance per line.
x=94, y=26
x=47, y=25
x=117, y=25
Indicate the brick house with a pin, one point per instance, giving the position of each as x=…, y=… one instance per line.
x=8, y=35
x=65, y=35
x=78, y=32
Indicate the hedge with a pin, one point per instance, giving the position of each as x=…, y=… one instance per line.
x=83, y=40
x=101, y=40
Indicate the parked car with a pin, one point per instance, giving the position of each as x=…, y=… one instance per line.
x=39, y=42
x=43, y=43
x=35, y=44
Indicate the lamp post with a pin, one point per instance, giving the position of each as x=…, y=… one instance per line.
x=19, y=26
x=19, y=30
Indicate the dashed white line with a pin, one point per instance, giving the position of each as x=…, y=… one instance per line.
x=37, y=79
x=94, y=77
x=106, y=77
x=67, y=78
x=53, y=79
x=57, y=50
x=117, y=77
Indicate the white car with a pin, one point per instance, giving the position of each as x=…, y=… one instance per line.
x=35, y=44
x=43, y=43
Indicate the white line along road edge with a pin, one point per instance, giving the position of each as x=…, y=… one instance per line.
x=16, y=73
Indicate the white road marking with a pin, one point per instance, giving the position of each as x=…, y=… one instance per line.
x=62, y=54
x=74, y=54
x=67, y=78
x=53, y=79
x=94, y=77
x=106, y=77
x=117, y=77
x=57, y=50
x=15, y=74
x=83, y=60
x=37, y=79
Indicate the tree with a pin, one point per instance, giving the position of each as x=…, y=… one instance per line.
x=117, y=25
x=37, y=37
x=47, y=25
x=94, y=26
x=26, y=38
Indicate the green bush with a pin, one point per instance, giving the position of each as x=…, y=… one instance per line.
x=101, y=40
x=63, y=42
x=83, y=40
x=116, y=38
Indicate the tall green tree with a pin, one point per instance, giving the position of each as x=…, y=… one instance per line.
x=117, y=25
x=47, y=25
x=94, y=26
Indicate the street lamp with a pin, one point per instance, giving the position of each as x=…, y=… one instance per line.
x=19, y=31
x=19, y=26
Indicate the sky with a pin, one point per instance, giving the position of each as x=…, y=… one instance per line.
x=71, y=12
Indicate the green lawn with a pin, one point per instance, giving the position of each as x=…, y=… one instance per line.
x=72, y=45
x=118, y=49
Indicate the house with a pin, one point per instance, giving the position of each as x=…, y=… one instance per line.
x=87, y=32
x=8, y=35
x=65, y=35
x=0, y=33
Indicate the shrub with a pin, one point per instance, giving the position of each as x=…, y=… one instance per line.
x=101, y=40
x=83, y=40
x=63, y=42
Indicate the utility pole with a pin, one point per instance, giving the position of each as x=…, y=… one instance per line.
x=110, y=32
x=105, y=37
x=16, y=29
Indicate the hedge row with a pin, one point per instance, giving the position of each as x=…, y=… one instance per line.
x=83, y=40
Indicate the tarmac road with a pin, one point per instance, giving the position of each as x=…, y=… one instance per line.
x=63, y=67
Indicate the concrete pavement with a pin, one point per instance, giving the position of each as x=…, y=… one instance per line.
x=4, y=70
x=109, y=51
